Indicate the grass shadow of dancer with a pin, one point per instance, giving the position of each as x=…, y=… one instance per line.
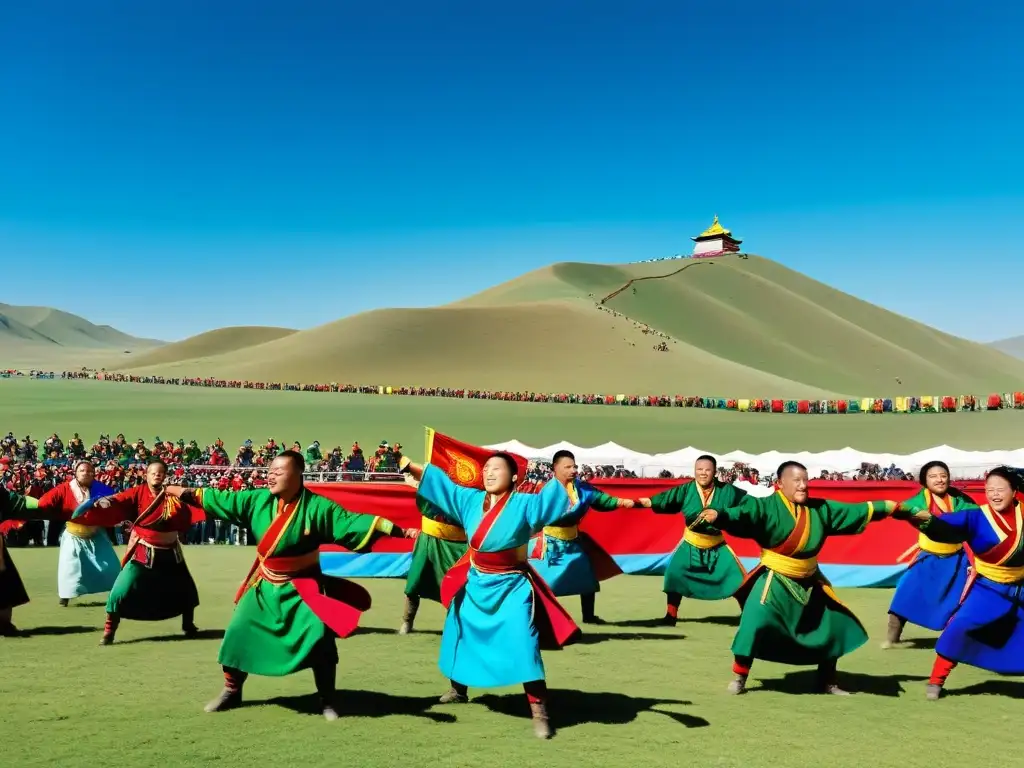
x=568, y=708
x=355, y=703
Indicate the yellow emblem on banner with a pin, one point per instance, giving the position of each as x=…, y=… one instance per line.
x=462, y=469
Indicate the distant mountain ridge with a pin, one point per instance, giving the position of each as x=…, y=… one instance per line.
x=45, y=325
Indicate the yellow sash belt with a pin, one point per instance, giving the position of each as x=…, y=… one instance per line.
x=792, y=567
x=702, y=540
x=1001, y=574
x=564, y=533
x=443, y=531
x=935, y=547
x=81, y=531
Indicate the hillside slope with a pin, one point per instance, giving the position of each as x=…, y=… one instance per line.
x=766, y=317
x=551, y=346
x=44, y=325
x=211, y=343
x=1014, y=346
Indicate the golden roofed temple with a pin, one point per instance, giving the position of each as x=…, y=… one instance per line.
x=716, y=240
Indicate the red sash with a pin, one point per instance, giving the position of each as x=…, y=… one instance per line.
x=555, y=627
x=144, y=521
x=338, y=603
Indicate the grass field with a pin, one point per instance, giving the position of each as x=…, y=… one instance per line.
x=631, y=694
x=42, y=407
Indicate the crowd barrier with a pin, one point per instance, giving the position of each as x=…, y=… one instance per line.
x=641, y=541
x=948, y=403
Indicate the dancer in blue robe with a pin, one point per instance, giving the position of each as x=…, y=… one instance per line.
x=929, y=590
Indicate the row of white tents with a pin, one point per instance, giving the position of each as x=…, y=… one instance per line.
x=962, y=464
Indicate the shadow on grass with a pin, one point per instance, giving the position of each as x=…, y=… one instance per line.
x=568, y=708
x=722, y=621
x=920, y=643
x=806, y=681
x=1010, y=689
x=638, y=623
x=589, y=637
x=58, y=631
x=387, y=631
x=202, y=634
x=363, y=704
x=89, y=604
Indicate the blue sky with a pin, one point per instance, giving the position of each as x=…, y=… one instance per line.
x=171, y=167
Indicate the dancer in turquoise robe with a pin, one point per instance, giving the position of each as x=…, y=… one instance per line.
x=501, y=612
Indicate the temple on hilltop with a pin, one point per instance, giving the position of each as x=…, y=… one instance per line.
x=715, y=241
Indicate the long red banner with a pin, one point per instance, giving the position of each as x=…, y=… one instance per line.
x=640, y=531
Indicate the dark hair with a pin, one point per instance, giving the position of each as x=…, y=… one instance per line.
x=296, y=459
x=1008, y=475
x=707, y=457
x=559, y=455
x=153, y=461
x=923, y=474
x=513, y=467
x=786, y=465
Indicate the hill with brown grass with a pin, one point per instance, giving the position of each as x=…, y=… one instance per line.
x=221, y=341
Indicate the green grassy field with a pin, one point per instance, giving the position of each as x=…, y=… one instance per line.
x=148, y=411
x=631, y=694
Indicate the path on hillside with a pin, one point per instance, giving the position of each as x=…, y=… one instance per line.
x=616, y=292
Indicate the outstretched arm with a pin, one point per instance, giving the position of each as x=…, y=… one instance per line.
x=235, y=507
x=746, y=519
x=601, y=501
x=14, y=506
x=952, y=528
x=668, y=502
x=353, y=530
x=851, y=519
x=547, y=507
x=436, y=488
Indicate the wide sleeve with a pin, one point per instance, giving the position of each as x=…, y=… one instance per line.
x=599, y=500
x=351, y=530
x=52, y=502
x=109, y=510
x=953, y=528
x=669, y=502
x=747, y=520
x=233, y=506
x=850, y=519
x=451, y=498
x=547, y=507
x=14, y=506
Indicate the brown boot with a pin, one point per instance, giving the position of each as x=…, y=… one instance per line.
x=827, y=679
x=894, y=631
x=227, y=699
x=412, y=605
x=932, y=692
x=7, y=629
x=738, y=685
x=110, y=629
x=457, y=694
x=64, y=602
x=541, y=726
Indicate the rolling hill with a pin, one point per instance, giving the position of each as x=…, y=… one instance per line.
x=211, y=343
x=46, y=326
x=735, y=326
x=1014, y=346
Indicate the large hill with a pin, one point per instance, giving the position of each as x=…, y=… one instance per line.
x=44, y=325
x=735, y=326
x=211, y=344
x=1013, y=346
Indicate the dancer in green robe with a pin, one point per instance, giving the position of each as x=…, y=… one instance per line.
x=288, y=612
x=791, y=614
x=13, y=506
x=703, y=566
x=440, y=545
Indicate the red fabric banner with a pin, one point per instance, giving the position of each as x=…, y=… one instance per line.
x=463, y=462
x=640, y=531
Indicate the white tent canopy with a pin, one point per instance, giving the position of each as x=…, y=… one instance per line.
x=962, y=464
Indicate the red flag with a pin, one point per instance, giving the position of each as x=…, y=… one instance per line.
x=463, y=462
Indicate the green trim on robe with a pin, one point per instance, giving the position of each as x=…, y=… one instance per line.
x=272, y=631
x=701, y=574
x=795, y=620
x=432, y=557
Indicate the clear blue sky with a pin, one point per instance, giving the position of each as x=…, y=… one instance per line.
x=170, y=167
